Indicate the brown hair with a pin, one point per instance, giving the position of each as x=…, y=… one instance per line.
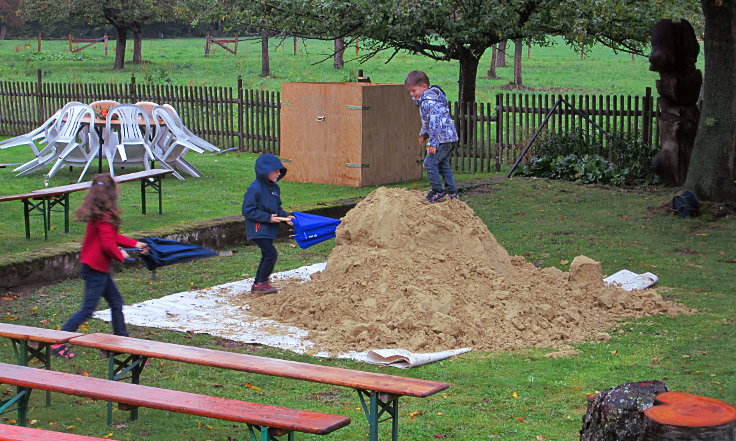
x=416, y=77
x=101, y=200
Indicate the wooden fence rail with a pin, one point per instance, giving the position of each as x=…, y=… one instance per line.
x=249, y=120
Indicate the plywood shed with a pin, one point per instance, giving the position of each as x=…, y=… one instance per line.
x=354, y=134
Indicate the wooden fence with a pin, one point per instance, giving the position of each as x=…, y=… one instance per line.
x=495, y=135
x=249, y=120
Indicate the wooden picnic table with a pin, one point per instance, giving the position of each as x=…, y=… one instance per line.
x=44, y=200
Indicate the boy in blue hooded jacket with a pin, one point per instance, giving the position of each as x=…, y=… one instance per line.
x=262, y=211
x=438, y=134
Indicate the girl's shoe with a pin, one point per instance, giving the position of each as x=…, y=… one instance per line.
x=263, y=288
x=62, y=351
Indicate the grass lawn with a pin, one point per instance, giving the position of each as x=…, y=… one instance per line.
x=181, y=62
x=519, y=395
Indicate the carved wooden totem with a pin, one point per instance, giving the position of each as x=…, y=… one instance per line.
x=674, y=52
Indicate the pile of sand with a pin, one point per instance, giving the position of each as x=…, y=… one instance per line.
x=430, y=277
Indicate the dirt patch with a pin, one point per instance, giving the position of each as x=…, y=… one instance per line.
x=429, y=277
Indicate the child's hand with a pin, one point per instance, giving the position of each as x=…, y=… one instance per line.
x=275, y=219
x=142, y=246
x=124, y=253
x=431, y=150
x=422, y=140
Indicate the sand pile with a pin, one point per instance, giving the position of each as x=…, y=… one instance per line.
x=430, y=277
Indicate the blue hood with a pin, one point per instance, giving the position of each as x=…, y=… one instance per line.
x=267, y=163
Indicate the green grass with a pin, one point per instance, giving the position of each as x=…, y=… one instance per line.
x=181, y=62
x=548, y=222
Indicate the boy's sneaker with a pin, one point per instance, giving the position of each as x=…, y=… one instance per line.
x=452, y=195
x=435, y=196
x=263, y=288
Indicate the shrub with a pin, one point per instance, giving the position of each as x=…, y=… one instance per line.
x=581, y=157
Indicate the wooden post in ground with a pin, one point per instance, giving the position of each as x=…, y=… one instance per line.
x=70, y=43
x=105, y=43
x=237, y=37
x=207, y=45
x=679, y=416
x=38, y=40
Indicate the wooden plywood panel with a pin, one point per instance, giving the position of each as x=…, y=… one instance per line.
x=390, y=130
x=355, y=134
x=319, y=134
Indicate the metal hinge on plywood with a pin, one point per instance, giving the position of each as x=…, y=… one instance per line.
x=358, y=107
x=356, y=165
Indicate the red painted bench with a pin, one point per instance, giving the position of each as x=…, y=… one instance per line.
x=31, y=343
x=20, y=433
x=268, y=421
x=378, y=393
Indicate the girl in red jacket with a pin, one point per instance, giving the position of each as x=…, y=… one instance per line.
x=101, y=241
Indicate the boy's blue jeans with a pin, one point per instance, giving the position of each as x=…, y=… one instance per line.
x=438, y=168
x=98, y=284
x=269, y=255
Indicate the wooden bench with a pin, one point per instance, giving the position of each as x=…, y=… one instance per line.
x=379, y=393
x=31, y=343
x=268, y=421
x=42, y=202
x=21, y=433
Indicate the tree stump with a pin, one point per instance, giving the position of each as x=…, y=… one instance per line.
x=678, y=416
x=615, y=414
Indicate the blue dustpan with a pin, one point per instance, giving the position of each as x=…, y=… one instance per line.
x=310, y=229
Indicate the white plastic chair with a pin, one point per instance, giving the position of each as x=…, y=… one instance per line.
x=192, y=137
x=148, y=106
x=172, y=143
x=78, y=155
x=67, y=127
x=40, y=134
x=127, y=145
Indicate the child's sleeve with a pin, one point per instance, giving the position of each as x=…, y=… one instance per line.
x=109, y=240
x=424, y=116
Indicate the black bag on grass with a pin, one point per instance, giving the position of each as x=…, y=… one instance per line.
x=686, y=204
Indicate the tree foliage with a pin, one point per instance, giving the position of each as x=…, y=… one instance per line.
x=123, y=14
x=464, y=29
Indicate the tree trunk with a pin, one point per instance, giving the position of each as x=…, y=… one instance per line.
x=501, y=57
x=678, y=416
x=468, y=71
x=3, y=31
x=517, y=62
x=615, y=413
x=339, y=53
x=265, y=67
x=120, y=47
x=137, y=43
x=711, y=172
x=491, y=74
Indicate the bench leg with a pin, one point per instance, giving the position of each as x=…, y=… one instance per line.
x=265, y=434
x=117, y=369
x=377, y=405
x=20, y=400
x=155, y=185
x=29, y=206
x=25, y=353
x=64, y=202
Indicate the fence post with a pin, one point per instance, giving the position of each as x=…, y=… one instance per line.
x=105, y=37
x=70, y=43
x=40, y=111
x=132, y=92
x=499, y=133
x=241, y=141
x=646, y=124
x=38, y=40
x=207, y=45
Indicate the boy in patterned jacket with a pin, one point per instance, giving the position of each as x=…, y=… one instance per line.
x=438, y=134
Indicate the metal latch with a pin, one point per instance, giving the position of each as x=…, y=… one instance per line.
x=356, y=165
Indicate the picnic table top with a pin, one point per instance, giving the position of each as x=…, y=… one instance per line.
x=262, y=365
x=172, y=400
x=21, y=332
x=70, y=188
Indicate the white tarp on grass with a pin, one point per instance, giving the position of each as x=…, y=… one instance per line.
x=208, y=311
